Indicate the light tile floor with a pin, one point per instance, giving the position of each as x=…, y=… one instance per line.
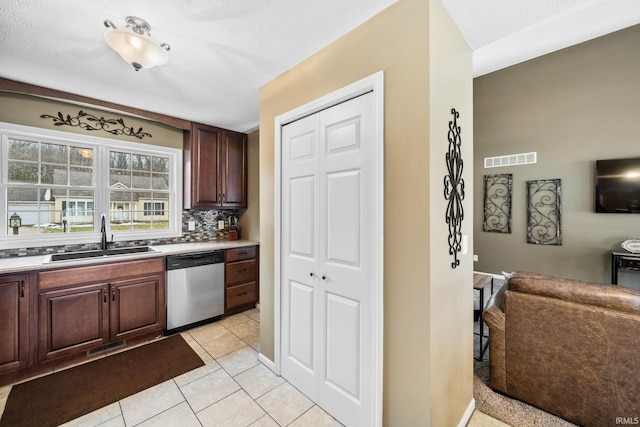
x=232, y=389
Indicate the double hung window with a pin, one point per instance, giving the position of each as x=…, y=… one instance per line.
x=59, y=184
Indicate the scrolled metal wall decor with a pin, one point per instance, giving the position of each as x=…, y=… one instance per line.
x=497, y=203
x=454, y=188
x=90, y=122
x=543, y=212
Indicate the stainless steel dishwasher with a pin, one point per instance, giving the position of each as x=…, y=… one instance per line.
x=195, y=288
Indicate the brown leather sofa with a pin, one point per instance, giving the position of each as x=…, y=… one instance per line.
x=569, y=347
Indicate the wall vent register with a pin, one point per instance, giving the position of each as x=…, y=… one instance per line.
x=511, y=160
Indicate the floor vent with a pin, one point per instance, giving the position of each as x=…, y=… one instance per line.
x=106, y=347
x=511, y=160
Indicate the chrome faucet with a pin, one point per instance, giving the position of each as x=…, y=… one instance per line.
x=103, y=230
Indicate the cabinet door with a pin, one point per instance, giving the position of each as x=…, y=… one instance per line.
x=14, y=330
x=73, y=320
x=233, y=168
x=137, y=306
x=202, y=148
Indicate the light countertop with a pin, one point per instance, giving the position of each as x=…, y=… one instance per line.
x=43, y=262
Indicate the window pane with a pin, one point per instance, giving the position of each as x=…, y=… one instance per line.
x=141, y=180
x=54, y=174
x=120, y=179
x=23, y=150
x=23, y=202
x=160, y=181
x=81, y=177
x=54, y=153
x=161, y=164
x=23, y=229
x=23, y=172
x=59, y=198
x=140, y=162
x=81, y=156
x=120, y=160
x=22, y=196
x=120, y=210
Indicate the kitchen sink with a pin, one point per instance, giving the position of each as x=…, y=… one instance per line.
x=99, y=253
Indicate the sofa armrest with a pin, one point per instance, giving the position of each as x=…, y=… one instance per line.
x=495, y=319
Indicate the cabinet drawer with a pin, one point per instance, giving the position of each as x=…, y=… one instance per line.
x=241, y=294
x=242, y=271
x=630, y=263
x=240, y=254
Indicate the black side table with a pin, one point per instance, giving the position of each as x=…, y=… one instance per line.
x=479, y=282
x=623, y=260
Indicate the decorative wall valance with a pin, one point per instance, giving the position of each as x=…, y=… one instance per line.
x=90, y=122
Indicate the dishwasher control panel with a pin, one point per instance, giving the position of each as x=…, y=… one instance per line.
x=194, y=259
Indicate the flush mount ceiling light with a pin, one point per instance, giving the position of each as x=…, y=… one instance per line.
x=134, y=43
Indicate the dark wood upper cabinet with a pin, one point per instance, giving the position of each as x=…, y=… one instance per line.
x=215, y=168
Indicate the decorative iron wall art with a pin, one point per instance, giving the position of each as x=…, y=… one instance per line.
x=497, y=203
x=543, y=212
x=90, y=122
x=454, y=188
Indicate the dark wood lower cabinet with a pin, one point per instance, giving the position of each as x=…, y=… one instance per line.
x=241, y=279
x=137, y=306
x=73, y=320
x=109, y=307
x=14, y=322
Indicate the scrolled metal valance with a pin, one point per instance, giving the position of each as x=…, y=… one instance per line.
x=90, y=122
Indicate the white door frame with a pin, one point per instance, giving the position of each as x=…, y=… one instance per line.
x=375, y=84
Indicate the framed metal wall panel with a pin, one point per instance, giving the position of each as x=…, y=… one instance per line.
x=497, y=203
x=543, y=212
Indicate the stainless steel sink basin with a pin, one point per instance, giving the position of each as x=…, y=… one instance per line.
x=99, y=253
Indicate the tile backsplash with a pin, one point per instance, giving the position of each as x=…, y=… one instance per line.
x=206, y=222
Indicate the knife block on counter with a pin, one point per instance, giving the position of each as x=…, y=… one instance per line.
x=233, y=234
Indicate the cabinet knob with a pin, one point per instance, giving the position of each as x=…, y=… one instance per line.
x=324, y=277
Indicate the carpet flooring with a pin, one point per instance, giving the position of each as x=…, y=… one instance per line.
x=63, y=396
x=499, y=406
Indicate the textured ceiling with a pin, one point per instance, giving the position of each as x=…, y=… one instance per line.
x=223, y=51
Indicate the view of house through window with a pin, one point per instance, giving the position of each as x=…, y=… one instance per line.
x=55, y=187
x=50, y=187
x=138, y=184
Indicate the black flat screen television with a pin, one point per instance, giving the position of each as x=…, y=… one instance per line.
x=618, y=186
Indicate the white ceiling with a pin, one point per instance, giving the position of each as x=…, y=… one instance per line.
x=223, y=51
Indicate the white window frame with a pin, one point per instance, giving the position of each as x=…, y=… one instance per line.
x=102, y=146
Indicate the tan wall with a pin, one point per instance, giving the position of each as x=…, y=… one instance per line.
x=451, y=322
x=573, y=107
x=249, y=221
x=26, y=110
x=397, y=42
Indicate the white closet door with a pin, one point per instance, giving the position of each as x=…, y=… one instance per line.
x=328, y=196
x=300, y=247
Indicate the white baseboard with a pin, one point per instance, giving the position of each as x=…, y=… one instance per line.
x=468, y=413
x=267, y=362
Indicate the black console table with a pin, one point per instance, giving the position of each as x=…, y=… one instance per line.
x=623, y=260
